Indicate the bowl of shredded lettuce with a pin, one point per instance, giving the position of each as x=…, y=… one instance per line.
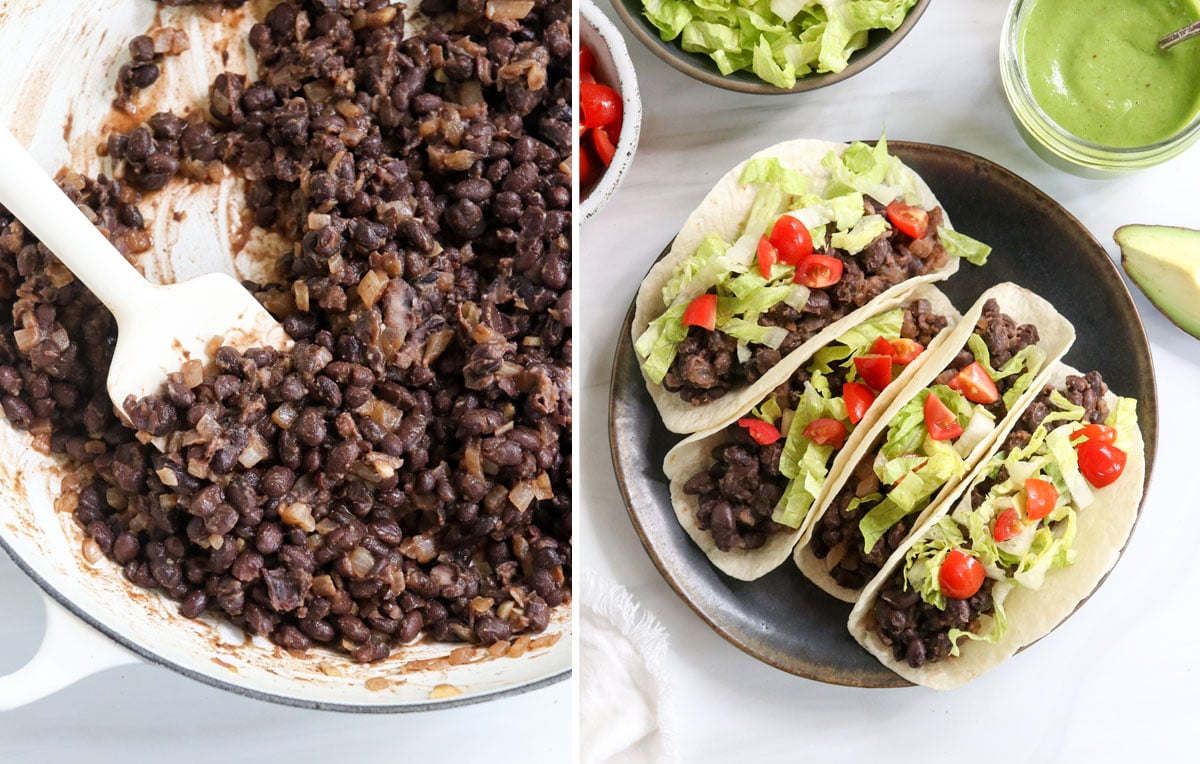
x=770, y=46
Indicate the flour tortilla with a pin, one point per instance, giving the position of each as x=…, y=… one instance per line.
x=1055, y=336
x=724, y=212
x=1101, y=532
x=694, y=455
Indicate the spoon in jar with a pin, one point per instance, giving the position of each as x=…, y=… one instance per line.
x=1179, y=35
x=159, y=328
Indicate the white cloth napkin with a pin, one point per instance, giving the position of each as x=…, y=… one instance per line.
x=622, y=695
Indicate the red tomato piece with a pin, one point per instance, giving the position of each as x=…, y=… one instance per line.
x=701, y=312
x=905, y=350
x=858, y=398
x=1040, y=498
x=940, y=421
x=763, y=433
x=589, y=168
x=587, y=59
x=1007, y=525
x=767, y=256
x=976, y=384
x=605, y=146
x=826, y=432
x=913, y=221
x=1101, y=463
x=1095, y=433
x=599, y=105
x=961, y=575
x=791, y=239
x=818, y=271
x=875, y=370
x=881, y=346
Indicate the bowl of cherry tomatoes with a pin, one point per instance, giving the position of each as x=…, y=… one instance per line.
x=610, y=110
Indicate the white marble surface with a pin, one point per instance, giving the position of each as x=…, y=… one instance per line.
x=1113, y=683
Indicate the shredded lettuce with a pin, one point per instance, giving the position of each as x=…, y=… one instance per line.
x=960, y=245
x=866, y=230
x=1123, y=417
x=769, y=170
x=659, y=343
x=853, y=341
x=779, y=40
x=803, y=462
x=710, y=249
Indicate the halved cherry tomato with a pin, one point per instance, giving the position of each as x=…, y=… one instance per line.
x=589, y=168
x=826, y=432
x=586, y=76
x=910, y=220
x=875, y=370
x=976, y=384
x=818, y=271
x=599, y=105
x=858, y=398
x=1007, y=525
x=905, y=350
x=587, y=59
x=701, y=312
x=940, y=421
x=1095, y=433
x=605, y=147
x=961, y=575
x=881, y=346
x=767, y=256
x=1101, y=463
x=1040, y=498
x=791, y=239
x=763, y=433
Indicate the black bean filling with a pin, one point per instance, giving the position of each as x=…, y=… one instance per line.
x=739, y=490
x=919, y=632
x=706, y=366
x=407, y=466
x=839, y=526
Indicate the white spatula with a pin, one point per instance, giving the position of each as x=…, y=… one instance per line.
x=158, y=327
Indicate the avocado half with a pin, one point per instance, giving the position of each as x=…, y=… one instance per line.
x=1164, y=261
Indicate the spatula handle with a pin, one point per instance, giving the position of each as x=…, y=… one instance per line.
x=29, y=194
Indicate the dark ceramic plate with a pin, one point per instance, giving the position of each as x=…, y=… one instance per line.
x=700, y=67
x=783, y=619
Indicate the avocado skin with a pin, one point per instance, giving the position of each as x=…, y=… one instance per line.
x=1164, y=262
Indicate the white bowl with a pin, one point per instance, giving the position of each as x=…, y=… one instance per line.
x=615, y=69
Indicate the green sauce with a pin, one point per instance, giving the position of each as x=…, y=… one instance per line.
x=1095, y=68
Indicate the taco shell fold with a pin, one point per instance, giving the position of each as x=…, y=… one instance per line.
x=694, y=454
x=724, y=211
x=1055, y=336
x=1102, y=530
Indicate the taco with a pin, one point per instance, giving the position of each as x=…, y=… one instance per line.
x=743, y=491
x=1019, y=546
x=790, y=249
x=967, y=395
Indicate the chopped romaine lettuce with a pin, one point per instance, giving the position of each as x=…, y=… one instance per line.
x=960, y=245
x=659, y=343
x=866, y=230
x=779, y=40
x=710, y=249
x=769, y=170
x=857, y=339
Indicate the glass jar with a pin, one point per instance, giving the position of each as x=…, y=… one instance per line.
x=1057, y=145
